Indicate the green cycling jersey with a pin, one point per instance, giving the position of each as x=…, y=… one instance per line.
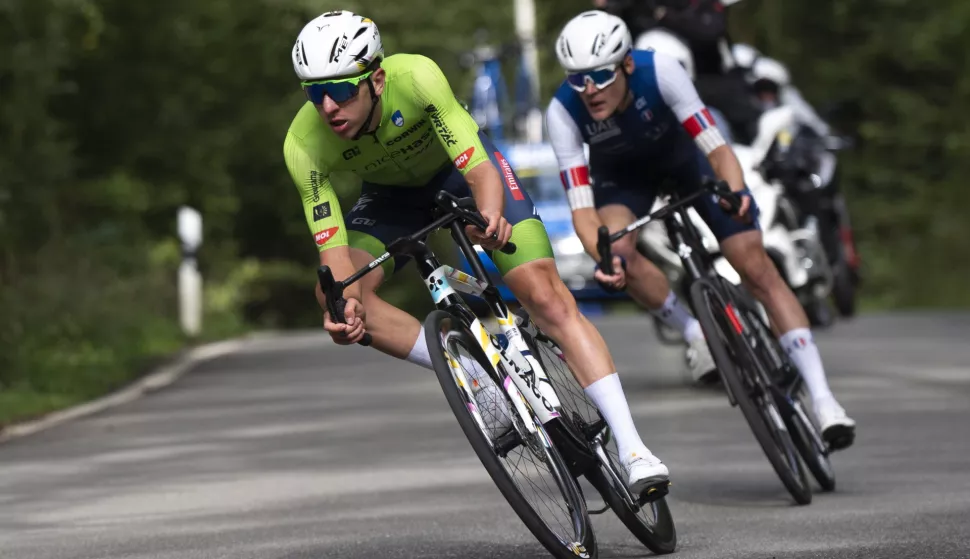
x=422, y=129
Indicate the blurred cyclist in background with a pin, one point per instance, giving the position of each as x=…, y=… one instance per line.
x=702, y=25
x=644, y=123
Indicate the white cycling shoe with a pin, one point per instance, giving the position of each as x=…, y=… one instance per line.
x=700, y=363
x=645, y=470
x=838, y=429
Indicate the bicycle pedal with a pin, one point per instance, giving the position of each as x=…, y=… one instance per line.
x=593, y=430
x=654, y=492
x=839, y=439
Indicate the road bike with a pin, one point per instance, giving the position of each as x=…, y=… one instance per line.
x=534, y=445
x=756, y=372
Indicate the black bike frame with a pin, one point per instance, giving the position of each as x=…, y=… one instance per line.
x=680, y=229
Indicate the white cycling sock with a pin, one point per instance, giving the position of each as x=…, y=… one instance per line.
x=607, y=394
x=419, y=353
x=674, y=314
x=801, y=347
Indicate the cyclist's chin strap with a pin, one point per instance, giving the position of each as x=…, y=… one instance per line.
x=370, y=116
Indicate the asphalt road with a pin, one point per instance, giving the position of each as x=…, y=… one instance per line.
x=295, y=449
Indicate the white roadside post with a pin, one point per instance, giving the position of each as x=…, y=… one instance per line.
x=190, y=280
x=525, y=28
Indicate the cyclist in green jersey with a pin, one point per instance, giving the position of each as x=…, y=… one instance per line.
x=393, y=126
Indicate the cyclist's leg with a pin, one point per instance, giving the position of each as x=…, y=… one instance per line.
x=622, y=197
x=532, y=276
x=381, y=215
x=743, y=246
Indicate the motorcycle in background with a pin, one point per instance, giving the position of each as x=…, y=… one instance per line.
x=809, y=170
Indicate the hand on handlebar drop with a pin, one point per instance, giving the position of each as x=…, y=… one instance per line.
x=742, y=213
x=350, y=332
x=497, y=224
x=618, y=279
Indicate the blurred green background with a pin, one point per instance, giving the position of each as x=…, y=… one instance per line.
x=114, y=113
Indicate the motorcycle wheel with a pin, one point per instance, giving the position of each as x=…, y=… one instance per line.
x=843, y=290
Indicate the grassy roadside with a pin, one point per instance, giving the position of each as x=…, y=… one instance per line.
x=62, y=345
x=78, y=373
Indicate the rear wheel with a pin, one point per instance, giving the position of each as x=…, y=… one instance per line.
x=525, y=466
x=746, y=380
x=843, y=289
x=652, y=523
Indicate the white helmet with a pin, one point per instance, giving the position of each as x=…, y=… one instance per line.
x=744, y=55
x=665, y=42
x=591, y=40
x=336, y=44
x=769, y=69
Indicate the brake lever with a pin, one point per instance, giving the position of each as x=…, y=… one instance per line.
x=333, y=292
x=603, y=246
x=724, y=192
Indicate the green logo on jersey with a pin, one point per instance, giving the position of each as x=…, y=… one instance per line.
x=443, y=131
x=315, y=185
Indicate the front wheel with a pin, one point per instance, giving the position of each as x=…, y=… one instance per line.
x=525, y=466
x=744, y=376
x=792, y=399
x=809, y=441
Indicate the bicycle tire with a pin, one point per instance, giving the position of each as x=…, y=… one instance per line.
x=727, y=348
x=440, y=322
x=815, y=458
x=811, y=448
x=661, y=536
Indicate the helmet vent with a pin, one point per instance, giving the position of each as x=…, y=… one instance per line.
x=333, y=50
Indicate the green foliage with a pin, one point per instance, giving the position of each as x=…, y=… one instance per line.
x=115, y=113
x=76, y=328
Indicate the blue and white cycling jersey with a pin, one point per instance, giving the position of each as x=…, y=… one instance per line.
x=661, y=129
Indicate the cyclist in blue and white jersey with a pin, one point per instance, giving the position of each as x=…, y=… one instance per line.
x=645, y=124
